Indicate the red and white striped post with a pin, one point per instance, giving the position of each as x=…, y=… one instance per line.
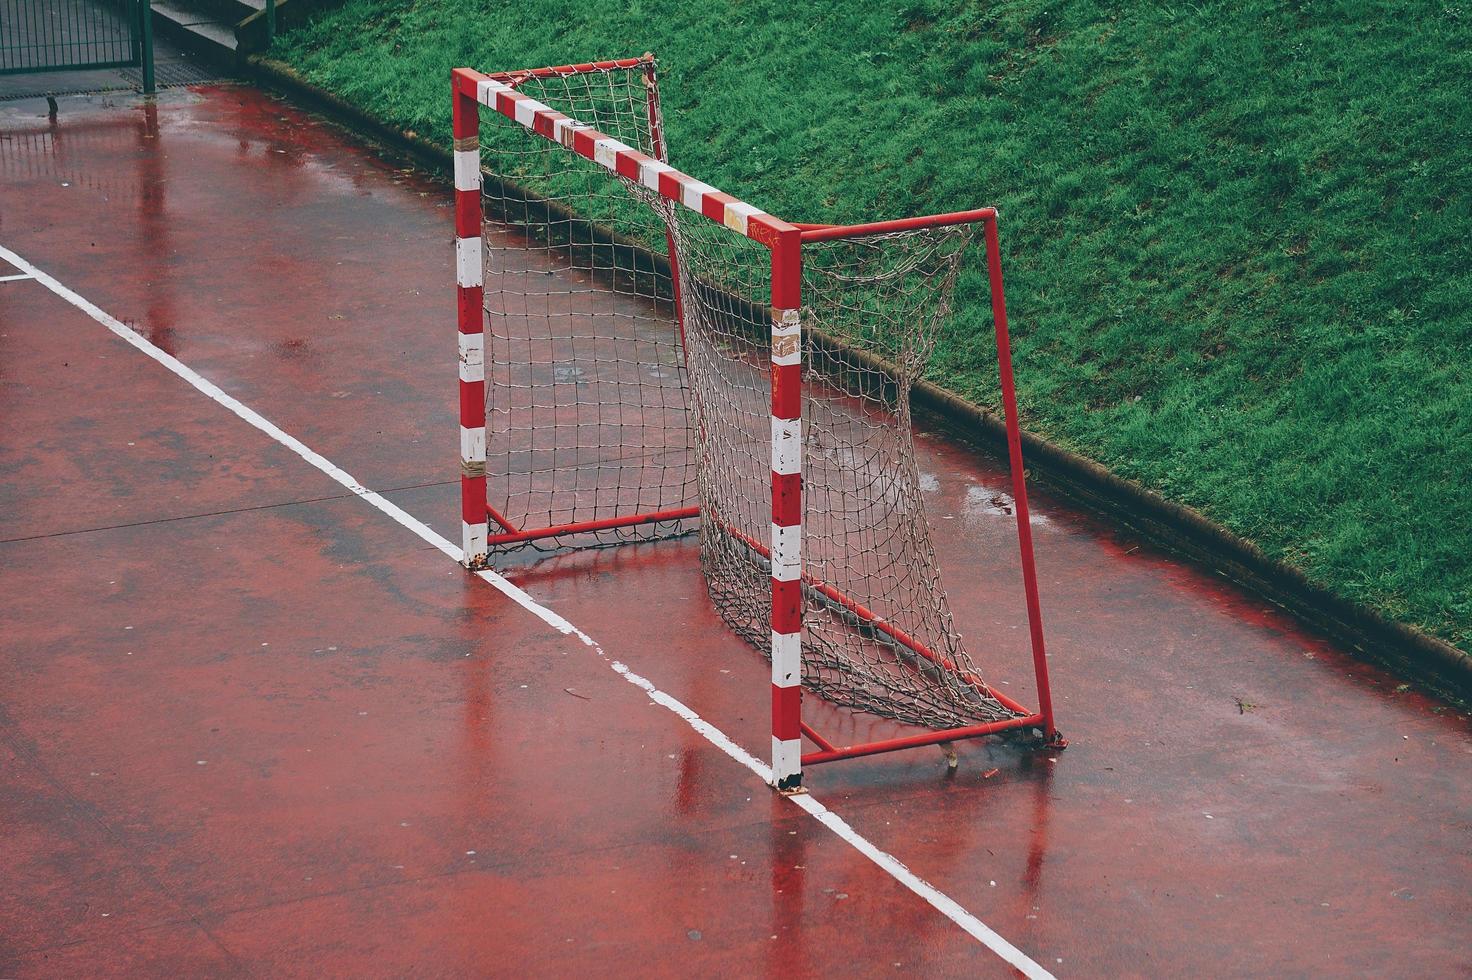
x=786, y=548
x=469, y=288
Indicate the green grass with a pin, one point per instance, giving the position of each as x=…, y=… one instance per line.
x=1236, y=234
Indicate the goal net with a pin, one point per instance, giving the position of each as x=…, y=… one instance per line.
x=639, y=355
x=878, y=633
x=586, y=388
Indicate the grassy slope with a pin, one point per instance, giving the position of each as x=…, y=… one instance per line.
x=1236, y=234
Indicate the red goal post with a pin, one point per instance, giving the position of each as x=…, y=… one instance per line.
x=791, y=588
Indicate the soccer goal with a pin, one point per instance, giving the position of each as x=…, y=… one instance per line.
x=642, y=355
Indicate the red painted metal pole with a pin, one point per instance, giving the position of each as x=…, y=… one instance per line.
x=1019, y=479
x=604, y=524
x=514, y=78
x=926, y=738
x=500, y=518
x=817, y=739
x=824, y=233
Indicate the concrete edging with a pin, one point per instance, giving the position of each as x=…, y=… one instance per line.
x=1432, y=661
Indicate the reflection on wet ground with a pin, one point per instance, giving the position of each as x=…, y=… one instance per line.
x=245, y=725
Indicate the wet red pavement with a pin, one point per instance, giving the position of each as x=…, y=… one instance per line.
x=249, y=725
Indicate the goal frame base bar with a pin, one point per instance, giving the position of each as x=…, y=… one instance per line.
x=472, y=90
x=515, y=535
x=828, y=752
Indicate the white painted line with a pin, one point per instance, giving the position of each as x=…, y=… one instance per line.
x=16, y=278
x=938, y=899
x=251, y=417
x=942, y=902
x=806, y=802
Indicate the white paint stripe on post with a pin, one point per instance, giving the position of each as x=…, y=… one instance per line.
x=786, y=446
x=832, y=821
x=786, y=659
x=467, y=170
x=467, y=262
x=786, y=552
x=786, y=755
x=787, y=339
x=473, y=445
x=472, y=356
x=561, y=127
x=473, y=539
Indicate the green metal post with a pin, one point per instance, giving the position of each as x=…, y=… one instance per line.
x=145, y=12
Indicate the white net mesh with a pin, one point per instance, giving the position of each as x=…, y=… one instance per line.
x=603, y=403
x=585, y=378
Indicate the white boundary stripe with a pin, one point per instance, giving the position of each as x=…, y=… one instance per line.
x=943, y=903
x=938, y=899
x=887, y=862
x=16, y=278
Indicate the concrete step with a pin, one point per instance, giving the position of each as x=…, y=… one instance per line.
x=228, y=12
x=197, y=32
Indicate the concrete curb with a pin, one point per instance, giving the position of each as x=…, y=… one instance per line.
x=1429, y=660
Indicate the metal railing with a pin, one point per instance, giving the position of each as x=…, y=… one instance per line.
x=73, y=35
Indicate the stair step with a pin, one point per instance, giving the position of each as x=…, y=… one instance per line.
x=196, y=31
x=228, y=12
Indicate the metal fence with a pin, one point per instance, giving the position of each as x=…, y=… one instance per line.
x=69, y=35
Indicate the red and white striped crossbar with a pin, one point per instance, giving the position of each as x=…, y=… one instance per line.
x=494, y=92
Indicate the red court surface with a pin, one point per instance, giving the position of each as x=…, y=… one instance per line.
x=250, y=724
